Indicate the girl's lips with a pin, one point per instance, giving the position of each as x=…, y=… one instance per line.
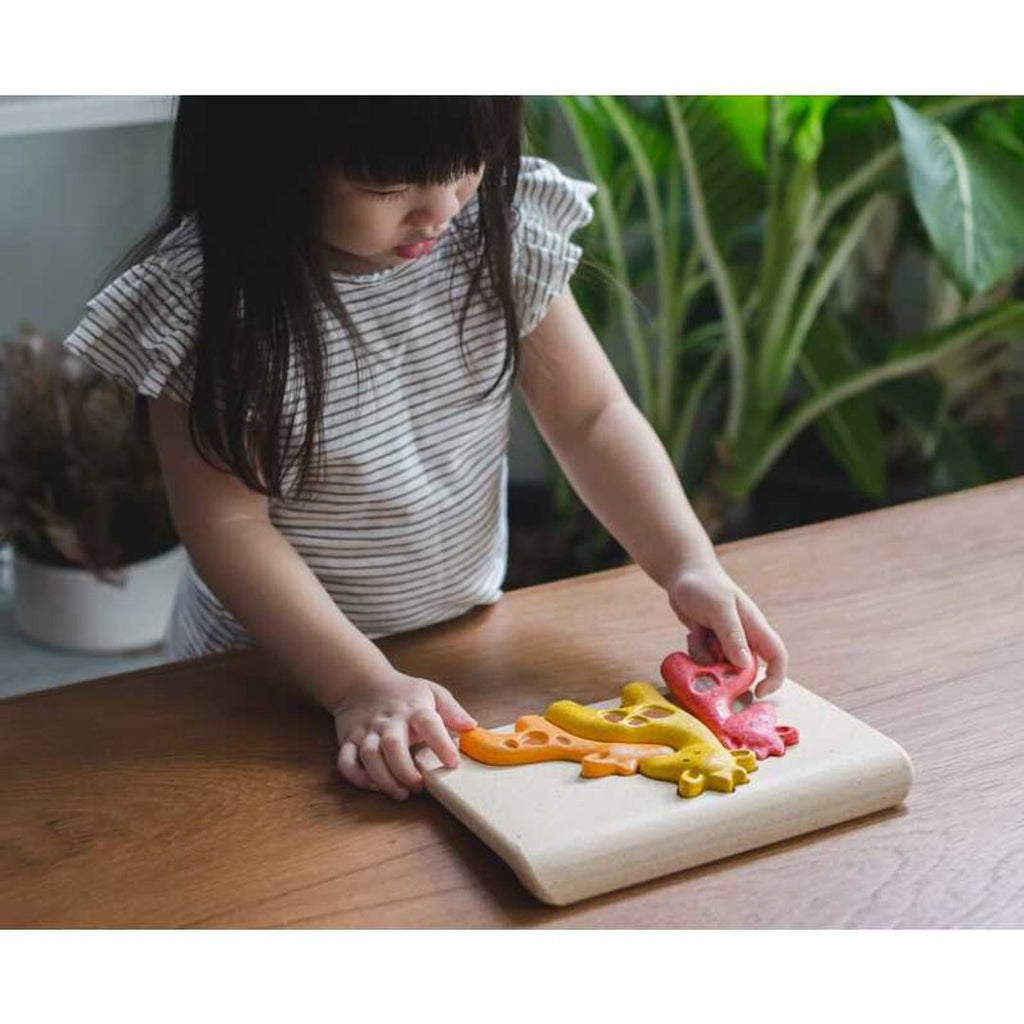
x=410, y=252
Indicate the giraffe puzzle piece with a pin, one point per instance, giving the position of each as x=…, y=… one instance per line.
x=708, y=691
x=536, y=739
x=698, y=761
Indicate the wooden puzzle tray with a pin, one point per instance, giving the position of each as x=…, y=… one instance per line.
x=568, y=838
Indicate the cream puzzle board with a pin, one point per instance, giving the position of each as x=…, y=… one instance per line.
x=568, y=838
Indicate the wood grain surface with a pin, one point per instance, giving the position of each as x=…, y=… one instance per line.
x=204, y=793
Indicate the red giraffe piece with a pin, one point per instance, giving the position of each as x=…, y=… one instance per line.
x=708, y=692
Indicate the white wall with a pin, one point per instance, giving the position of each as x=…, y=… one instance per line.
x=70, y=203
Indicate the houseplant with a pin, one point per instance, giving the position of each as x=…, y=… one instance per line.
x=753, y=209
x=96, y=558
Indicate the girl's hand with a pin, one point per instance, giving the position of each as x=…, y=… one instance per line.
x=713, y=607
x=377, y=725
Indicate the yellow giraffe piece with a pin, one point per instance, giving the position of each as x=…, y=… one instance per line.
x=700, y=761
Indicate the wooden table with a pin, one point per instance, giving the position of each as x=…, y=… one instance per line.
x=204, y=794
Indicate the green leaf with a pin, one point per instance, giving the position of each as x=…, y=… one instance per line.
x=745, y=117
x=851, y=430
x=876, y=166
x=968, y=197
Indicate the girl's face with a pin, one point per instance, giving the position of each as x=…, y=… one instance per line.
x=371, y=227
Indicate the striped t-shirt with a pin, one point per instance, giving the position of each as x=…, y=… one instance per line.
x=409, y=526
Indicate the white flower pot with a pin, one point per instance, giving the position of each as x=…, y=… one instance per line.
x=71, y=608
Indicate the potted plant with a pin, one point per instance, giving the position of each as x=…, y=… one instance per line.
x=96, y=559
x=751, y=210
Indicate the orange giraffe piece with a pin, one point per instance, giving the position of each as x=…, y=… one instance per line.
x=536, y=739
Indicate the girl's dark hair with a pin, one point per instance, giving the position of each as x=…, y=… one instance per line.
x=251, y=170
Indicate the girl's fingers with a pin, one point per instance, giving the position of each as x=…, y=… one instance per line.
x=768, y=644
x=451, y=711
x=731, y=634
x=351, y=769
x=373, y=761
x=394, y=743
x=431, y=730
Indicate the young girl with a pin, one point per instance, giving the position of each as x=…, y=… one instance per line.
x=324, y=333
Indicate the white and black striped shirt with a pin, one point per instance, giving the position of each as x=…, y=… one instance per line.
x=409, y=526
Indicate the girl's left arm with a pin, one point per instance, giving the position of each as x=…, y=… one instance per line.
x=620, y=469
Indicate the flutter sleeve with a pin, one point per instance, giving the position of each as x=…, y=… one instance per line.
x=141, y=330
x=549, y=207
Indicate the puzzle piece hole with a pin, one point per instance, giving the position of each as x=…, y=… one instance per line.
x=636, y=720
x=742, y=701
x=654, y=712
x=613, y=716
x=704, y=683
x=511, y=743
x=534, y=738
x=564, y=740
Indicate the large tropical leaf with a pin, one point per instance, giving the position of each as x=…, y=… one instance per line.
x=968, y=197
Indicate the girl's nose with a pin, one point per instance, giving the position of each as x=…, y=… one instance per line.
x=439, y=204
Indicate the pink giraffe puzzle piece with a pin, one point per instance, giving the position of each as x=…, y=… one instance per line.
x=708, y=692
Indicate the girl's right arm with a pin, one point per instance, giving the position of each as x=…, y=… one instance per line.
x=264, y=582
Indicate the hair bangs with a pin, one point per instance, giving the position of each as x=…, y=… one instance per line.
x=418, y=140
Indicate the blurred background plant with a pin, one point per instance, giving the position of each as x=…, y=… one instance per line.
x=773, y=263
x=79, y=486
